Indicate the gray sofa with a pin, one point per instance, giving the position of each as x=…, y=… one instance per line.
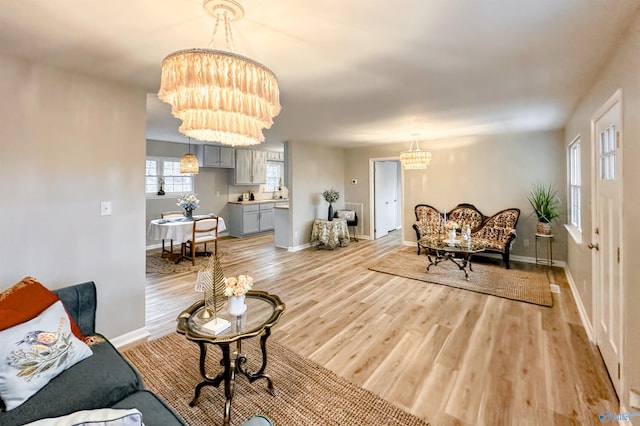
x=103, y=380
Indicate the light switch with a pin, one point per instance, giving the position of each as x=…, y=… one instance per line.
x=105, y=208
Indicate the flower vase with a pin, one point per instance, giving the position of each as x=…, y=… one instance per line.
x=188, y=212
x=237, y=305
x=452, y=235
x=330, y=212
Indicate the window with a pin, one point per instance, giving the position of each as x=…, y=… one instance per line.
x=166, y=170
x=575, y=202
x=274, y=175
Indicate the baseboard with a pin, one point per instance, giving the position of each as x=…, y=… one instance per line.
x=131, y=338
x=300, y=247
x=588, y=328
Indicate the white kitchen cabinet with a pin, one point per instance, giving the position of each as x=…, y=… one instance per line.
x=251, y=167
x=218, y=156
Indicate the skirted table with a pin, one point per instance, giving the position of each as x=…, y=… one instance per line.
x=329, y=233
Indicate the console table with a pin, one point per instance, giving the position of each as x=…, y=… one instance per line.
x=329, y=233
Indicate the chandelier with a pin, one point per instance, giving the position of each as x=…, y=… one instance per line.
x=219, y=95
x=189, y=163
x=414, y=159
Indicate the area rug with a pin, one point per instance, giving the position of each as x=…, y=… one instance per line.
x=307, y=393
x=163, y=265
x=525, y=286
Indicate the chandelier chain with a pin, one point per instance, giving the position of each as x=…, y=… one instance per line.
x=227, y=31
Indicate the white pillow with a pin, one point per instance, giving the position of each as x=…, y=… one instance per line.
x=100, y=417
x=36, y=351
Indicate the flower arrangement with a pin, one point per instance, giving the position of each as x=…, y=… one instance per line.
x=188, y=201
x=330, y=195
x=237, y=286
x=451, y=225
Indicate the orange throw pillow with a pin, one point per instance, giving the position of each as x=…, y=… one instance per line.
x=25, y=301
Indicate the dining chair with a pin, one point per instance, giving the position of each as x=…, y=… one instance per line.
x=205, y=230
x=352, y=220
x=169, y=215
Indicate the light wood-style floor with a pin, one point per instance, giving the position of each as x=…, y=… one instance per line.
x=450, y=356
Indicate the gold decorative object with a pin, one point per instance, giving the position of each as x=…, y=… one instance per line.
x=219, y=95
x=415, y=158
x=212, y=288
x=189, y=163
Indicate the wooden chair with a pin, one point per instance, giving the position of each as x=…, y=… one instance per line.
x=169, y=215
x=205, y=230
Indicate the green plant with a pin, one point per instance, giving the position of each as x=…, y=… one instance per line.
x=330, y=195
x=545, y=202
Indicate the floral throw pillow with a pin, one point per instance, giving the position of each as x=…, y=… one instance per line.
x=36, y=351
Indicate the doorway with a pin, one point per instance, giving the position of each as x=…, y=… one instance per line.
x=606, y=145
x=386, y=202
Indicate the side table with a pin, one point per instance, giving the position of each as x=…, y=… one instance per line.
x=548, y=239
x=263, y=311
x=329, y=233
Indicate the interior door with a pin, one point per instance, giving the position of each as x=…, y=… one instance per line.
x=386, y=197
x=607, y=242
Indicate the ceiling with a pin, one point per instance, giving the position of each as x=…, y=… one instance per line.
x=355, y=72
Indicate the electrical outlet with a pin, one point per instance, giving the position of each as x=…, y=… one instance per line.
x=105, y=208
x=525, y=242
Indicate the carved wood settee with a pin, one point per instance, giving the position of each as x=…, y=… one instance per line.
x=497, y=231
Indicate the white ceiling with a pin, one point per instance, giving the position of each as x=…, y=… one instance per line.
x=351, y=72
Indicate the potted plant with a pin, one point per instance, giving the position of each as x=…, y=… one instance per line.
x=545, y=203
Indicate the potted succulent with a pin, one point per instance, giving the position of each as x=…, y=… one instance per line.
x=545, y=203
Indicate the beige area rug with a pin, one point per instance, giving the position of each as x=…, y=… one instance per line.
x=307, y=393
x=163, y=265
x=524, y=286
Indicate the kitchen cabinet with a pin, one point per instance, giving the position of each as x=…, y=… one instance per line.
x=252, y=218
x=218, y=156
x=251, y=167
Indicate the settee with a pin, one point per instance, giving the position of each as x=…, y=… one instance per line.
x=103, y=380
x=497, y=232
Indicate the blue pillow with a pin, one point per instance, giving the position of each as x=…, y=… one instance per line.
x=36, y=351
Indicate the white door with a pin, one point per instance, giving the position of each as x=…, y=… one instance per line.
x=607, y=236
x=386, y=197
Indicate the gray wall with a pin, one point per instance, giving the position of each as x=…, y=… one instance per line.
x=622, y=71
x=68, y=142
x=313, y=168
x=211, y=185
x=492, y=172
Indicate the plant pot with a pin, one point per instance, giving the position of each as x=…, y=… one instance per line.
x=543, y=228
x=188, y=212
x=330, y=218
x=237, y=305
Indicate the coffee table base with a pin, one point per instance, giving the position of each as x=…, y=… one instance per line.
x=438, y=257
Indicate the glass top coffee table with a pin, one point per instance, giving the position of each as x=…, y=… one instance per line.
x=457, y=251
x=263, y=311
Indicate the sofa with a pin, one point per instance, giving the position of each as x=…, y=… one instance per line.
x=497, y=232
x=103, y=380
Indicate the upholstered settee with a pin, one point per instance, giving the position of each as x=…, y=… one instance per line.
x=497, y=232
x=102, y=380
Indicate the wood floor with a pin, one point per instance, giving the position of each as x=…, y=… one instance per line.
x=450, y=356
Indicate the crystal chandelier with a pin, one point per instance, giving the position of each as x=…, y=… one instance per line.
x=414, y=159
x=219, y=95
x=189, y=163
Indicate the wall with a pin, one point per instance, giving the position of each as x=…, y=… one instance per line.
x=621, y=71
x=211, y=185
x=68, y=142
x=492, y=172
x=312, y=169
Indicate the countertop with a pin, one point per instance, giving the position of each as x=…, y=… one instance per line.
x=279, y=200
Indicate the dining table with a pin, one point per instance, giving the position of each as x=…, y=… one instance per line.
x=178, y=229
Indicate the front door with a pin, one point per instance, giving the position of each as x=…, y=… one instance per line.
x=607, y=235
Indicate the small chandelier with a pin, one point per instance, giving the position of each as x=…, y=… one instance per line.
x=189, y=163
x=415, y=158
x=220, y=95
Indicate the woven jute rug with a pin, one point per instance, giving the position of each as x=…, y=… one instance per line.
x=307, y=393
x=525, y=286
